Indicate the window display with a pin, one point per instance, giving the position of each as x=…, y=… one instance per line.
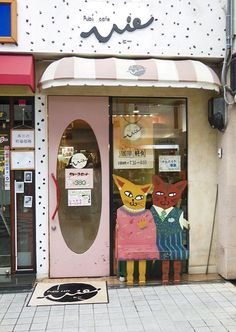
x=149, y=139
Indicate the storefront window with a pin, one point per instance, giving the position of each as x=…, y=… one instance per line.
x=149, y=138
x=16, y=185
x=23, y=113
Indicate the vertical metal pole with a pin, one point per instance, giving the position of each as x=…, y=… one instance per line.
x=15, y=206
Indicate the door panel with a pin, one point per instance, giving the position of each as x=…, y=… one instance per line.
x=79, y=186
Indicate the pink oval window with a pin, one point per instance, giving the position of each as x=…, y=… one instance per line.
x=79, y=180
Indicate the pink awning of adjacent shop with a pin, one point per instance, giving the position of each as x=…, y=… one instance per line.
x=17, y=70
x=75, y=71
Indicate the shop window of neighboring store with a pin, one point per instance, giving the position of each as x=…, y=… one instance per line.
x=149, y=138
x=16, y=184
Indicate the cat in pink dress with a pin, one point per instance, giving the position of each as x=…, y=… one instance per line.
x=135, y=228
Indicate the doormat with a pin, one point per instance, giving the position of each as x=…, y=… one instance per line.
x=69, y=293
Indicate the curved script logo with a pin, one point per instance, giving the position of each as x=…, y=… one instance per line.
x=73, y=292
x=137, y=25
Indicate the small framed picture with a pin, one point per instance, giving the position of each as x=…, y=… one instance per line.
x=28, y=201
x=19, y=187
x=28, y=177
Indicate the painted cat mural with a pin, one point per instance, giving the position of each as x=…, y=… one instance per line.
x=169, y=222
x=135, y=228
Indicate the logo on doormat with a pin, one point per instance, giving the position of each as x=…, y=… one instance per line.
x=72, y=292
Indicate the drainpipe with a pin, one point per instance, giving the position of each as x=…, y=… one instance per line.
x=228, y=53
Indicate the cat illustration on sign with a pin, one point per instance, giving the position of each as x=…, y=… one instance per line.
x=135, y=228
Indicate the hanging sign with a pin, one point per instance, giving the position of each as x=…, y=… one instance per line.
x=21, y=138
x=79, y=197
x=78, y=178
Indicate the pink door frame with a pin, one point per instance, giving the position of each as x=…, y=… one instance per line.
x=95, y=261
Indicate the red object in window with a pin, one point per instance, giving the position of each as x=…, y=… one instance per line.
x=17, y=70
x=22, y=102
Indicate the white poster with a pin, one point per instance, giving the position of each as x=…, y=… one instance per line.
x=78, y=178
x=169, y=163
x=19, y=187
x=22, y=160
x=79, y=197
x=22, y=138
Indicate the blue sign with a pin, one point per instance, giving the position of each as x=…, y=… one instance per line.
x=5, y=19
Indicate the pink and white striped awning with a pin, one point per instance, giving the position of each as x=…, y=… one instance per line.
x=75, y=71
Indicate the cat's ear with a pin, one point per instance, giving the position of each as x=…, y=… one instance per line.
x=156, y=180
x=146, y=188
x=119, y=181
x=180, y=186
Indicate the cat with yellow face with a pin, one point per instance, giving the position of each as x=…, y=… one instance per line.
x=135, y=228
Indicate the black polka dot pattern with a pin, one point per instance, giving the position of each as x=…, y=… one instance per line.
x=41, y=185
x=180, y=27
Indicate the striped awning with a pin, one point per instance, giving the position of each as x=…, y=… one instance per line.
x=75, y=71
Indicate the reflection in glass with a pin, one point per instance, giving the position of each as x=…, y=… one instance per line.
x=24, y=221
x=149, y=137
x=144, y=130
x=80, y=202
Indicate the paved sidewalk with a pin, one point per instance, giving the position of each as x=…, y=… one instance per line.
x=191, y=307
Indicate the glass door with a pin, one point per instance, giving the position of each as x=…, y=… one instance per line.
x=17, y=220
x=149, y=138
x=24, y=216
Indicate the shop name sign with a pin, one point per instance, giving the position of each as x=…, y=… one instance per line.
x=136, y=24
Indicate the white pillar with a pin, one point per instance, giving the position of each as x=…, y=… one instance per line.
x=41, y=186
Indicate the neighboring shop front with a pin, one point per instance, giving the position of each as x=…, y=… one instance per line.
x=95, y=115
x=17, y=169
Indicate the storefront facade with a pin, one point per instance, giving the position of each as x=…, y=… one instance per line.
x=118, y=93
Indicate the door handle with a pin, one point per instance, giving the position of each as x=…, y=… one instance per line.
x=58, y=195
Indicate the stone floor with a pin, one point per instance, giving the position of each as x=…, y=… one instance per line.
x=203, y=305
